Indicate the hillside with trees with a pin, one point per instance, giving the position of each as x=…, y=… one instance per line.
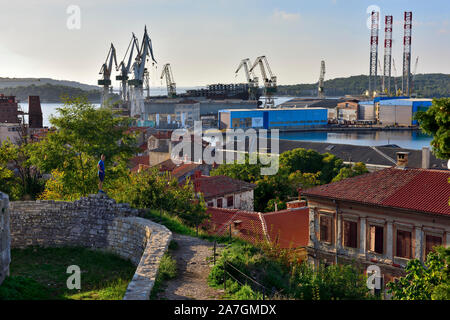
x=50, y=93
x=431, y=85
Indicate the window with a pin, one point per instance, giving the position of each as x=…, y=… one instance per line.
x=210, y=204
x=230, y=201
x=219, y=203
x=403, y=244
x=432, y=241
x=350, y=234
x=376, y=239
x=325, y=229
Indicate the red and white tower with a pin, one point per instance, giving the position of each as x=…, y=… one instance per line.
x=406, y=78
x=373, y=52
x=386, y=84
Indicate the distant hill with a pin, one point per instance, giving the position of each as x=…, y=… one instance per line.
x=431, y=85
x=49, y=92
x=23, y=82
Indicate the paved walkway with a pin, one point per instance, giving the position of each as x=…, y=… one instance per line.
x=193, y=269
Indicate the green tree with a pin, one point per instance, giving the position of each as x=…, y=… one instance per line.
x=82, y=134
x=351, y=171
x=425, y=282
x=436, y=122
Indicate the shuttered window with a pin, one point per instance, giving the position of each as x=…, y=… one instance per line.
x=403, y=244
x=377, y=239
x=230, y=202
x=350, y=234
x=219, y=203
x=432, y=241
x=325, y=229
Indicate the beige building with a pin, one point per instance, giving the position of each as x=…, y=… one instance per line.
x=383, y=218
x=11, y=131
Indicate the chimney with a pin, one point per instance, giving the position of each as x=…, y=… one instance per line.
x=196, y=186
x=425, y=158
x=34, y=112
x=402, y=160
x=299, y=191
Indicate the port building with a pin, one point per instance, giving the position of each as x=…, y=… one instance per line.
x=283, y=119
x=400, y=111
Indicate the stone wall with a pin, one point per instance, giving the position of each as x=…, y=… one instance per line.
x=5, y=256
x=96, y=222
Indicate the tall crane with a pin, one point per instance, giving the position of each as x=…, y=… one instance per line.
x=320, y=89
x=414, y=75
x=105, y=71
x=397, y=90
x=136, y=84
x=252, y=80
x=171, y=85
x=125, y=66
x=270, y=84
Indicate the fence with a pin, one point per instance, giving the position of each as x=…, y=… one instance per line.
x=230, y=271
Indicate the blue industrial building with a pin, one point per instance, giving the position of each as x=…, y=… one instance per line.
x=283, y=119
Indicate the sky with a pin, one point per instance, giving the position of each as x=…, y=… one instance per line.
x=205, y=40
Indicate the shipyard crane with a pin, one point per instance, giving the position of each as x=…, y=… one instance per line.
x=171, y=86
x=105, y=71
x=320, y=89
x=139, y=69
x=252, y=80
x=397, y=90
x=414, y=75
x=124, y=67
x=270, y=84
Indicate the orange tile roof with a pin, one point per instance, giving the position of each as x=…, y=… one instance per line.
x=419, y=190
x=214, y=186
x=289, y=228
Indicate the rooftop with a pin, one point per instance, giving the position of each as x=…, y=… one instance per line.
x=420, y=190
x=215, y=186
x=287, y=228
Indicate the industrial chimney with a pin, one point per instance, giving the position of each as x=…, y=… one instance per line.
x=34, y=112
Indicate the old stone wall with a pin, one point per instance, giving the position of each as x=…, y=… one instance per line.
x=5, y=256
x=96, y=222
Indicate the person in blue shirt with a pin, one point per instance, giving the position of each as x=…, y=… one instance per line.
x=101, y=173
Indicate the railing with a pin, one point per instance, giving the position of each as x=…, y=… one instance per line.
x=241, y=278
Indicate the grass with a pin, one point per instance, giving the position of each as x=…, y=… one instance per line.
x=40, y=273
x=167, y=270
x=174, y=224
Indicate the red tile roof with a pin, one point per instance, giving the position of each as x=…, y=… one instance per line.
x=183, y=169
x=420, y=190
x=139, y=160
x=289, y=228
x=215, y=186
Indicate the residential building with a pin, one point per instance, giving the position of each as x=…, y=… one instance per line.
x=384, y=218
x=224, y=192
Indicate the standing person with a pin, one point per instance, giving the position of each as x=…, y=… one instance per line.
x=101, y=172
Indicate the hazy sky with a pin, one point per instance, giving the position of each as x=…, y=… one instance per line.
x=204, y=40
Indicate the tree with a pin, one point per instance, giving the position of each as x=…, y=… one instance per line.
x=425, y=282
x=151, y=189
x=71, y=152
x=436, y=122
x=348, y=172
